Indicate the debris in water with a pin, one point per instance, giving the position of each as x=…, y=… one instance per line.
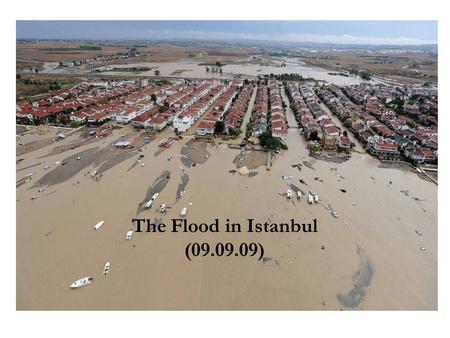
x=309, y=165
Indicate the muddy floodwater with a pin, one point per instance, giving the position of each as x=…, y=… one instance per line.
x=366, y=257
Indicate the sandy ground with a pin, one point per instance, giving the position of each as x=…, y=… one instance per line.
x=367, y=258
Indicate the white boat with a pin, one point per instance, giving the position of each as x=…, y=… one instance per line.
x=81, y=282
x=183, y=212
x=106, y=268
x=129, y=235
x=310, y=198
x=78, y=158
x=289, y=193
x=299, y=194
x=162, y=208
x=94, y=173
x=316, y=198
x=334, y=214
x=155, y=196
x=57, y=162
x=98, y=225
x=149, y=204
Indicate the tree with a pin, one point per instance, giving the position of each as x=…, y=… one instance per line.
x=314, y=135
x=234, y=131
x=269, y=142
x=219, y=127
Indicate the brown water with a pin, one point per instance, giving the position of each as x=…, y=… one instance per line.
x=56, y=243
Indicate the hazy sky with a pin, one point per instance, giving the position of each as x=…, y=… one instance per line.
x=349, y=32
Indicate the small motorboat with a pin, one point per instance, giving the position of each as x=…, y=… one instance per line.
x=183, y=212
x=148, y=204
x=162, y=208
x=94, y=173
x=129, y=235
x=310, y=198
x=155, y=196
x=106, y=268
x=98, y=225
x=289, y=193
x=33, y=197
x=334, y=214
x=81, y=282
x=299, y=194
x=316, y=198
x=78, y=158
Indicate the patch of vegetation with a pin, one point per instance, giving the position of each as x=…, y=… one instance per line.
x=269, y=142
x=219, y=127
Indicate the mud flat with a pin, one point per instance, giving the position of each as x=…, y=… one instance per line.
x=158, y=185
x=182, y=186
x=250, y=159
x=69, y=167
x=361, y=282
x=194, y=153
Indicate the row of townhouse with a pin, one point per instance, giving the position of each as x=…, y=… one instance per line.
x=188, y=116
x=278, y=120
x=134, y=107
x=236, y=114
x=217, y=111
x=260, y=111
x=66, y=103
x=325, y=129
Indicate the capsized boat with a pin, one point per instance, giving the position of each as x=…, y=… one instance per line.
x=183, y=212
x=81, y=282
x=98, y=225
x=106, y=268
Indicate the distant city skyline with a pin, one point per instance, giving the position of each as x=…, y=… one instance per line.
x=337, y=32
